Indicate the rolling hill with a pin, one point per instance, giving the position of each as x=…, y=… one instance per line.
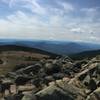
x=12, y=57
x=25, y=49
x=85, y=54
x=56, y=47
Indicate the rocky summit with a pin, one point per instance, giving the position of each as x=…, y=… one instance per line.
x=60, y=78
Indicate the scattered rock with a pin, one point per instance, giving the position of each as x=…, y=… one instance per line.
x=92, y=84
x=86, y=80
x=94, y=95
x=60, y=91
x=57, y=79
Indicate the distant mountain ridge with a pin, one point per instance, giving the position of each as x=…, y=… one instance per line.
x=56, y=47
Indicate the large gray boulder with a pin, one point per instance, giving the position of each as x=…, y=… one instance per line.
x=60, y=91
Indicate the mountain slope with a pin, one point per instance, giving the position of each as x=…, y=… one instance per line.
x=24, y=48
x=56, y=47
x=12, y=57
x=85, y=54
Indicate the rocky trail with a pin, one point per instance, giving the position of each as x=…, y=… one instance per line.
x=53, y=79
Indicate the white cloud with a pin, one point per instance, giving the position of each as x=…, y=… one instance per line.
x=94, y=38
x=9, y=2
x=12, y=2
x=34, y=6
x=90, y=12
x=78, y=30
x=49, y=23
x=67, y=7
x=21, y=25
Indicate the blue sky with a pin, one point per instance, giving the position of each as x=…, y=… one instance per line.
x=50, y=19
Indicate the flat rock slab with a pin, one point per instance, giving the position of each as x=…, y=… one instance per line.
x=60, y=91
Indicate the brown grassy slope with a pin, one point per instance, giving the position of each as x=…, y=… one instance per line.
x=11, y=56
